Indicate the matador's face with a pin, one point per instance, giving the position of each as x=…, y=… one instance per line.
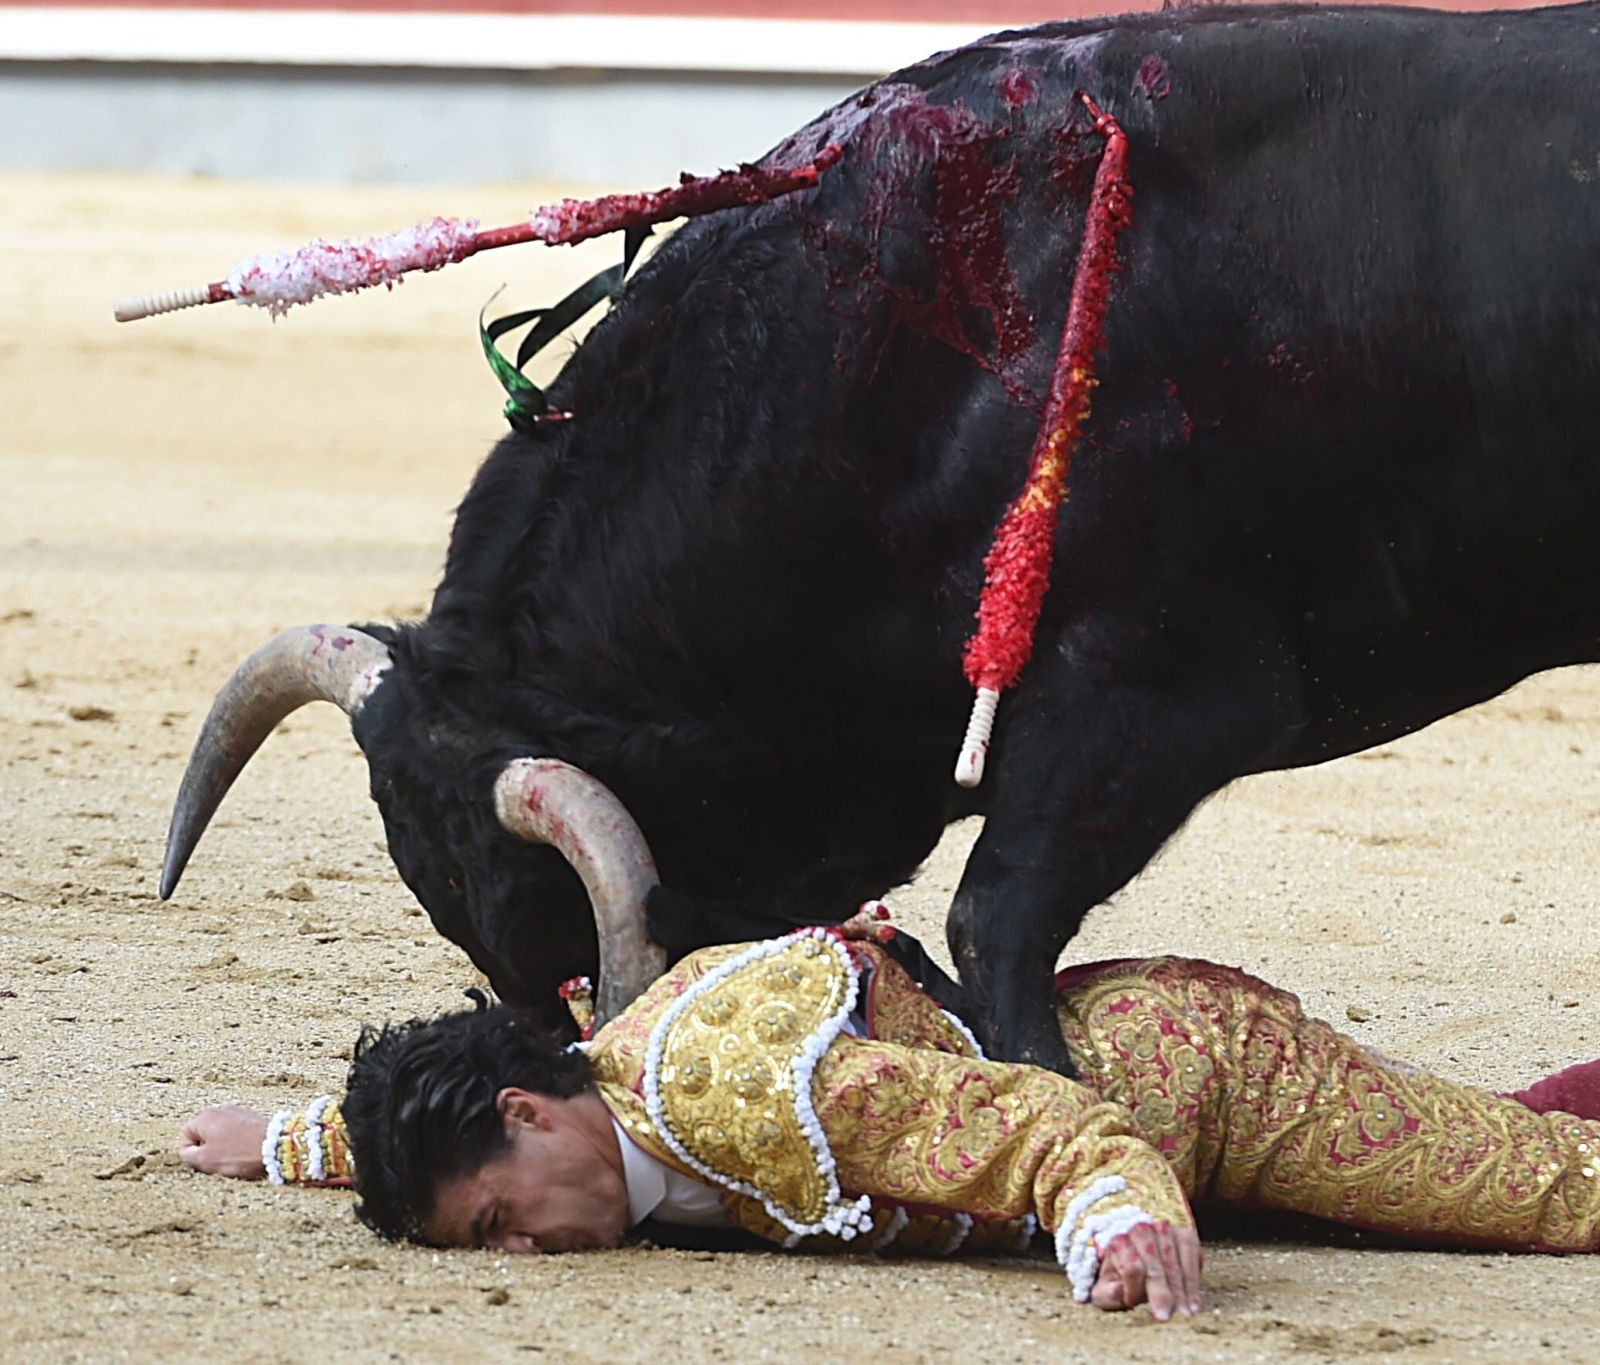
x=556, y=1186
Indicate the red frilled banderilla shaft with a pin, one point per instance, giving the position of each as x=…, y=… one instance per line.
x=280, y=280
x=1017, y=567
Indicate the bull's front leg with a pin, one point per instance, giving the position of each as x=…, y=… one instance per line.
x=1091, y=775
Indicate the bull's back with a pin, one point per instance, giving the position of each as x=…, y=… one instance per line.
x=1344, y=429
x=1352, y=380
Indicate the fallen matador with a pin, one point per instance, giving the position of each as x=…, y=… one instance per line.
x=806, y=1090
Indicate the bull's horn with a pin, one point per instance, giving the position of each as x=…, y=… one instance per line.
x=547, y=801
x=308, y=663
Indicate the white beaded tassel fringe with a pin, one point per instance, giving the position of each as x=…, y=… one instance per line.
x=975, y=747
x=269, y=1146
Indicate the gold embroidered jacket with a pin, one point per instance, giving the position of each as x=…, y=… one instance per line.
x=738, y=1066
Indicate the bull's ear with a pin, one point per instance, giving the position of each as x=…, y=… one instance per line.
x=386, y=635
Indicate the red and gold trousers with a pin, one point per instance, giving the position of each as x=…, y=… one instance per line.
x=1258, y=1106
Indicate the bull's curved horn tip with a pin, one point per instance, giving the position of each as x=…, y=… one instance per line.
x=170, y=876
x=338, y=664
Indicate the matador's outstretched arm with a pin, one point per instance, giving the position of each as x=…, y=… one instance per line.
x=923, y=1127
x=307, y=1146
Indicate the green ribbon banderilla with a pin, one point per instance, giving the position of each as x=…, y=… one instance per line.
x=526, y=404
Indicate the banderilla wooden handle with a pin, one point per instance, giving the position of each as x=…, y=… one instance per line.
x=172, y=301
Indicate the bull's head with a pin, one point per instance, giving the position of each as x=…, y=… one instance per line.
x=541, y=800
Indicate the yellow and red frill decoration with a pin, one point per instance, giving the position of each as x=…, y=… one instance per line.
x=578, y=992
x=1017, y=567
x=309, y=1146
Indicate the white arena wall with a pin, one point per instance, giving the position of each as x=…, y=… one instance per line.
x=464, y=97
x=346, y=124
x=604, y=92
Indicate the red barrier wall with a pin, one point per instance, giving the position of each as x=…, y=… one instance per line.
x=996, y=13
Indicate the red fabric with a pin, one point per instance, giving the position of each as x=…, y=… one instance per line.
x=1069, y=978
x=1573, y=1091
x=995, y=13
x=1017, y=567
x=1016, y=576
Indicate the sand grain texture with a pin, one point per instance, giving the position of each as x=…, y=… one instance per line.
x=177, y=490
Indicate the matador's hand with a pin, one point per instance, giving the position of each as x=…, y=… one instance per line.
x=1154, y=1261
x=225, y=1140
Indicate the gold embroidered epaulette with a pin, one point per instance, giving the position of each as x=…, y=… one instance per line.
x=727, y=1078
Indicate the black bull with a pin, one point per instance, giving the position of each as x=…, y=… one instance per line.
x=1340, y=480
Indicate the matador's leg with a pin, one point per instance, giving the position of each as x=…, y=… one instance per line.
x=1258, y=1106
x=1320, y=1125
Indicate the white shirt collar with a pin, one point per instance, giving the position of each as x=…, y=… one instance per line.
x=645, y=1177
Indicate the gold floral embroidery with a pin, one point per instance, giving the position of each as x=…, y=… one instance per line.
x=1278, y=1110
x=1137, y=1040
x=969, y=1133
x=1254, y=1104
x=898, y=1011
x=1250, y=1101
x=923, y=1125
x=1154, y=1111
x=1190, y=1069
x=740, y=1041
x=960, y=1135
x=1377, y=1115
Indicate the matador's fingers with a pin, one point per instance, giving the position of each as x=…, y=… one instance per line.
x=1159, y=1259
x=1172, y=1264
x=1122, y=1275
x=1107, y=1292
x=224, y=1140
x=192, y=1144
x=1192, y=1262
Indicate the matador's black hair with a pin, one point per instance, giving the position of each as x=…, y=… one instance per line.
x=420, y=1104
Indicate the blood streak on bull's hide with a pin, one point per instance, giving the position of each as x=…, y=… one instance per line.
x=1186, y=427
x=1153, y=80
x=1017, y=88
x=974, y=305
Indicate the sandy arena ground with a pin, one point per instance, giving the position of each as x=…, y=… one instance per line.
x=177, y=490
